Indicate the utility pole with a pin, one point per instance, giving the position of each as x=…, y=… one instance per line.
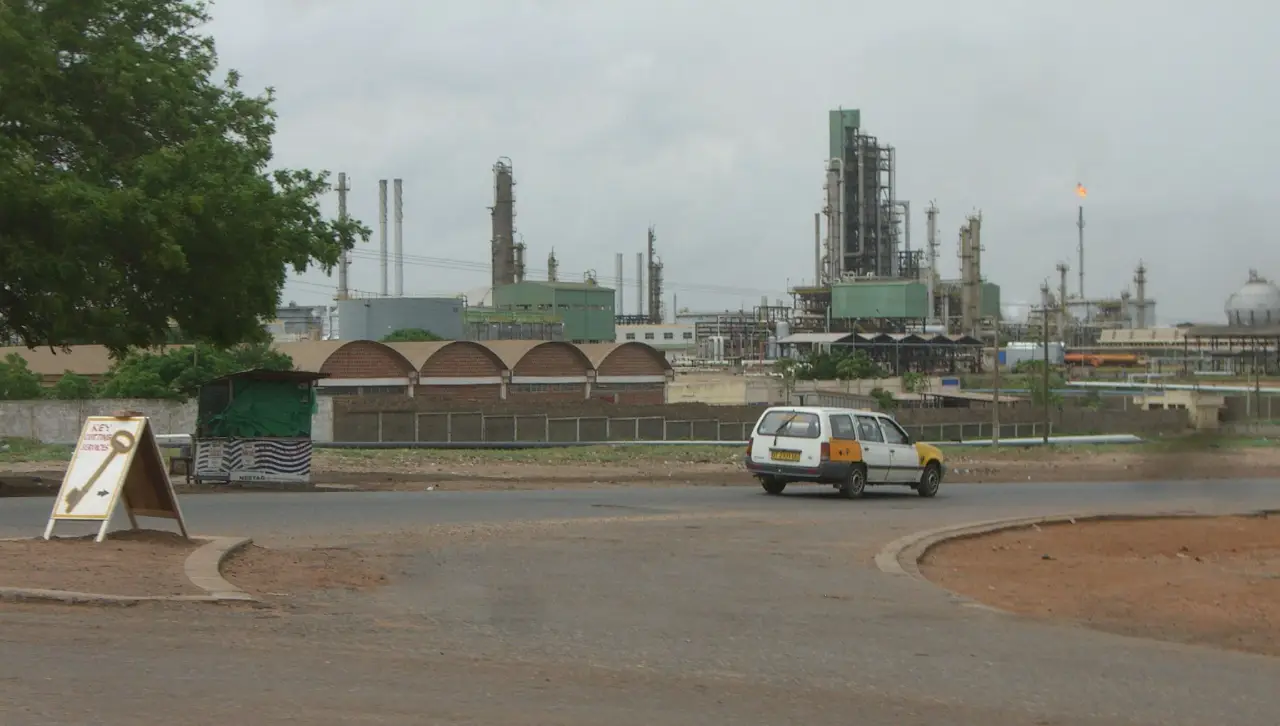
x=995, y=388
x=343, y=260
x=1045, y=375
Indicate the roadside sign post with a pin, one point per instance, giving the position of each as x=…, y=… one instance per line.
x=117, y=460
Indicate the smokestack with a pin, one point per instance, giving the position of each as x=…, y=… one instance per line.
x=639, y=283
x=617, y=293
x=817, y=249
x=382, y=232
x=398, y=192
x=1140, y=281
x=345, y=260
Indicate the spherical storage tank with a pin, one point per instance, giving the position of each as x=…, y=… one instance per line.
x=1257, y=303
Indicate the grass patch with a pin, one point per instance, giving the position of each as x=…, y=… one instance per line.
x=565, y=455
x=15, y=451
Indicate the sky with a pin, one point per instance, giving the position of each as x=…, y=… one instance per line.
x=708, y=120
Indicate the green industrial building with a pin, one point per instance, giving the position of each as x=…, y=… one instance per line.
x=900, y=299
x=585, y=308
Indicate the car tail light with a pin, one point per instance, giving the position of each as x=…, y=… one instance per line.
x=749, y=442
x=826, y=451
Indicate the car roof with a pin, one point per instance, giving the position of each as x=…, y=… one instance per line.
x=825, y=409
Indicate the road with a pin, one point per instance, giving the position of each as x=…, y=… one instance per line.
x=623, y=606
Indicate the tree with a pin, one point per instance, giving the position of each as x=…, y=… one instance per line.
x=913, y=382
x=1034, y=383
x=72, y=387
x=786, y=369
x=17, y=381
x=856, y=367
x=410, y=335
x=179, y=373
x=884, y=399
x=134, y=187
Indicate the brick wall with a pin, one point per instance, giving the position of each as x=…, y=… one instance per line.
x=462, y=360
x=633, y=394
x=632, y=360
x=553, y=359
x=365, y=359
x=457, y=396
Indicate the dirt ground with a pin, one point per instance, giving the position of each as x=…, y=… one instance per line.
x=603, y=467
x=282, y=573
x=1206, y=581
x=130, y=562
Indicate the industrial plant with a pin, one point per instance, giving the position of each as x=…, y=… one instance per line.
x=872, y=288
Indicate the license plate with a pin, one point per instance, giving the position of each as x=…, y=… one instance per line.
x=777, y=455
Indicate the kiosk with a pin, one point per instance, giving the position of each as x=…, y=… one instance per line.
x=255, y=426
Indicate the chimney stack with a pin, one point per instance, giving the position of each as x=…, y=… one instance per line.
x=382, y=233
x=398, y=189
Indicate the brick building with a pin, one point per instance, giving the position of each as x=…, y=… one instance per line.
x=632, y=373
x=528, y=371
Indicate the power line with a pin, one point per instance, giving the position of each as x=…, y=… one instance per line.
x=472, y=266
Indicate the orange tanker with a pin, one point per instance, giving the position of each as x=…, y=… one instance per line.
x=1099, y=360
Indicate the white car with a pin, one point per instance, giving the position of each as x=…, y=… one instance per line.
x=849, y=449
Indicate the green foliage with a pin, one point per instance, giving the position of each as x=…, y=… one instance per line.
x=913, y=382
x=179, y=373
x=826, y=366
x=1092, y=400
x=1035, y=384
x=17, y=381
x=72, y=387
x=884, y=399
x=411, y=335
x=134, y=186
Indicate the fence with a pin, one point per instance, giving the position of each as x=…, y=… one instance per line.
x=454, y=427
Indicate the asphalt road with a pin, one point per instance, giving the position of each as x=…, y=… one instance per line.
x=632, y=606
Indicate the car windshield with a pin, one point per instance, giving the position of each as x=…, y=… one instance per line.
x=794, y=424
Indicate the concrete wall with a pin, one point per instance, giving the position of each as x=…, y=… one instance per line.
x=59, y=422
x=375, y=318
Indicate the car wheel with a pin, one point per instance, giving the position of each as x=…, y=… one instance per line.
x=772, y=485
x=853, y=487
x=930, y=480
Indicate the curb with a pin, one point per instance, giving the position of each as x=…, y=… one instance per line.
x=902, y=556
x=202, y=567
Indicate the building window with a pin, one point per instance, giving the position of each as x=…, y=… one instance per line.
x=648, y=336
x=688, y=336
x=668, y=336
x=631, y=336
x=546, y=388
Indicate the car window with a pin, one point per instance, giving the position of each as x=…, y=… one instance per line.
x=893, y=433
x=842, y=426
x=869, y=430
x=793, y=424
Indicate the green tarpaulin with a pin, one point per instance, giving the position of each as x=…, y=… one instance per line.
x=257, y=409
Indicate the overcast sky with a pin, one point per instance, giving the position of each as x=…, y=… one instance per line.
x=707, y=118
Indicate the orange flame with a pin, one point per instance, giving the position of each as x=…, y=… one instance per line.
x=1081, y=191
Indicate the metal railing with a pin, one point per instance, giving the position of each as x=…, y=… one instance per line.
x=451, y=428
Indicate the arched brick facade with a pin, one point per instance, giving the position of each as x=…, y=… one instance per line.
x=465, y=362
x=630, y=361
x=553, y=360
x=462, y=359
x=366, y=359
x=633, y=359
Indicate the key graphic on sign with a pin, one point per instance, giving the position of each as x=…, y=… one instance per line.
x=121, y=443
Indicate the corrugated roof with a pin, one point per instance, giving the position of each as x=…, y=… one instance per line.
x=418, y=353
x=511, y=351
x=817, y=338
x=598, y=352
x=1233, y=331
x=310, y=355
